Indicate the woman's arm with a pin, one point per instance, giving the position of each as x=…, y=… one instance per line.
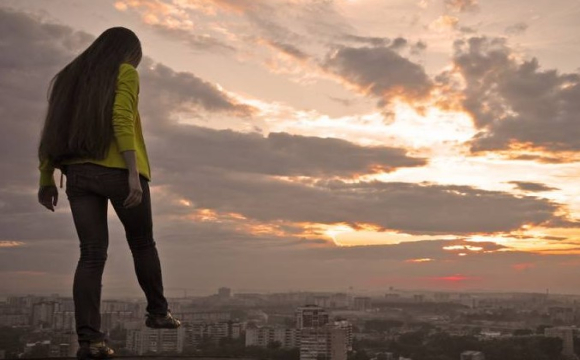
x=46, y=173
x=125, y=107
x=124, y=111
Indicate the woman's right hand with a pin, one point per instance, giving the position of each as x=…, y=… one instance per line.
x=48, y=196
x=135, y=191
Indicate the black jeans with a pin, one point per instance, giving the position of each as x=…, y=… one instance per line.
x=89, y=187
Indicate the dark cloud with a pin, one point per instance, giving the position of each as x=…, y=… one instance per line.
x=379, y=71
x=467, y=30
x=165, y=91
x=409, y=208
x=545, y=158
x=532, y=186
x=31, y=52
x=394, y=44
x=516, y=102
x=418, y=47
x=277, y=154
x=370, y=40
x=554, y=238
x=289, y=49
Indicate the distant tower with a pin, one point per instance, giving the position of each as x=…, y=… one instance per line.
x=319, y=337
x=311, y=316
x=224, y=293
x=362, y=303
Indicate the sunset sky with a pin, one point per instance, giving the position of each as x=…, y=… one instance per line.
x=317, y=144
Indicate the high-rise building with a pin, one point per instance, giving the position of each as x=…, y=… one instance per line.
x=111, y=320
x=142, y=340
x=321, y=300
x=64, y=320
x=224, y=292
x=115, y=306
x=310, y=316
x=347, y=326
x=318, y=336
x=192, y=317
x=196, y=332
x=43, y=313
x=264, y=335
x=327, y=341
x=337, y=343
x=362, y=303
x=472, y=355
x=565, y=333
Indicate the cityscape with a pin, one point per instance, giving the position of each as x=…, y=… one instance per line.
x=400, y=325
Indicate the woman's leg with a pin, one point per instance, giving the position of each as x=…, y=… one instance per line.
x=89, y=211
x=138, y=225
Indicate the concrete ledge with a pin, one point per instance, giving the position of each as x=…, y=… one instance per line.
x=154, y=357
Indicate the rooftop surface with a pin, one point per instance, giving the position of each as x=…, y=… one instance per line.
x=153, y=357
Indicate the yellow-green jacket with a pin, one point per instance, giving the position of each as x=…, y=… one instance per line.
x=127, y=130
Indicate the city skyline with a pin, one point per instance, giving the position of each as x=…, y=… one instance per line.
x=305, y=325
x=317, y=144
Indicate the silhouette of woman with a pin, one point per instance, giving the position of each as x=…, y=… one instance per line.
x=92, y=133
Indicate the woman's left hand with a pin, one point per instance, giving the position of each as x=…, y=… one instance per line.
x=48, y=196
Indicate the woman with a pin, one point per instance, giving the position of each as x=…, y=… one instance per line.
x=92, y=133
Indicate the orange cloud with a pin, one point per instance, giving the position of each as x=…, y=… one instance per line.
x=10, y=243
x=444, y=22
x=277, y=228
x=156, y=12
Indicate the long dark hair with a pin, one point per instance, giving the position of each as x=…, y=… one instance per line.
x=78, y=121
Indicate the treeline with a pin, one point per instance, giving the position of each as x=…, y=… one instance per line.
x=421, y=345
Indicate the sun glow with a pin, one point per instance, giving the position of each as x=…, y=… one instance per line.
x=535, y=239
x=463, y=247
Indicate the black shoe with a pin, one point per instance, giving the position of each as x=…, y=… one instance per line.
x=95, y=350
x=155, y=321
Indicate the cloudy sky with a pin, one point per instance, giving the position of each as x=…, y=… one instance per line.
x=329, y=145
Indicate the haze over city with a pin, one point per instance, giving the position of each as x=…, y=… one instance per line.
x=338, y=145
